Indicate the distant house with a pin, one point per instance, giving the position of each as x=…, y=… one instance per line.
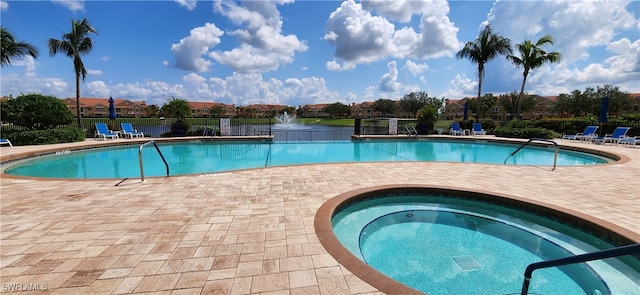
x=99, y=107
x=211, y=109
x=454, y=109
x=314, y=111
x=543, y=108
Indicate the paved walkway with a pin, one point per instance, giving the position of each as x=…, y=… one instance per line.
x=246, y=232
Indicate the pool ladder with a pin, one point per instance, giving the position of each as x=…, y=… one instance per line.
x=555, y=144
x=140, y=158
x=603, y=254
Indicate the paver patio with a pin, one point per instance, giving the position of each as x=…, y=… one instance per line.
x=246, y=232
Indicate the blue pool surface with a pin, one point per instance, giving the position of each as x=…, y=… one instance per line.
x=443, y=246
x=208, y=157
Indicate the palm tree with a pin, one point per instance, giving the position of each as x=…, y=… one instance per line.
x=12, y=49
x=485, y=48
x=532, y=56
x=74, y=44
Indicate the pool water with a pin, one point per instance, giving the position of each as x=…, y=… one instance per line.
x=208, y=157
x=442, y=246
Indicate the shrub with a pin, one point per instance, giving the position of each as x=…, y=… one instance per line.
x=36, y=111
x=51, y=136
x=524, y=132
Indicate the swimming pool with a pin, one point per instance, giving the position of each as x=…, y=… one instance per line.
x=197, y=157
x=448, y=242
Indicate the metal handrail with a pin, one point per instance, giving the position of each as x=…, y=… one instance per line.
x=555, y=158
x=613, y=252
x=140, y=158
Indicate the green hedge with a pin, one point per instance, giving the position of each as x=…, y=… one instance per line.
x=524, y=132
x=50, y=136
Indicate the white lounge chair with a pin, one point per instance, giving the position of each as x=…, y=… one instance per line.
x=618, y=133
x=5, y=141
x=631, y=141
x=128, y=131
x=102, y=131
x=477, y=129
x=455, y=129
x=588, y=134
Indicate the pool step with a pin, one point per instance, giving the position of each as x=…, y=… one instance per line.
x=466, y=263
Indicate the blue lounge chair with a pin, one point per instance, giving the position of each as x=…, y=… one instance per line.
x=588, y=134
x=5, y=141
x=128, y=131
x=455, y=129
x=477, y=129
x=618, y=133
x=630, y=141
x=102, y=131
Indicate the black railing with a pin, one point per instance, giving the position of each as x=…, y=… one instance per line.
x=609, y=253
x=156, y=127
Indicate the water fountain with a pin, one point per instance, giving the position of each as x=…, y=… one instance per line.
x=286, y=121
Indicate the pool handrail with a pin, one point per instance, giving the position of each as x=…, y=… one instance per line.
x=608, y=253
x=555, y=144
x=140, y=158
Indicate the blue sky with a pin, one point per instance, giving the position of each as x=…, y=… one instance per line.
x=300, y=52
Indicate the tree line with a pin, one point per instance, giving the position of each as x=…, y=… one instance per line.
x=484, y=48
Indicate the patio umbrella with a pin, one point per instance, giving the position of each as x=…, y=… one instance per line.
x=604, y=108
x=466, y=111
x=112, y=112
x=112, y=109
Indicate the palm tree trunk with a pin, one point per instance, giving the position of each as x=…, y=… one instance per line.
x=478, y=99
x=78, y=100
x=521, y=97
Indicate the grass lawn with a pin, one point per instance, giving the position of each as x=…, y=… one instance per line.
x=325, y=121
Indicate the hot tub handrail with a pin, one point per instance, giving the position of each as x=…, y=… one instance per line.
x=609, y=253
x=555, y=144
x=140, y=158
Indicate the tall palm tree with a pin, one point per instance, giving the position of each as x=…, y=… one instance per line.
x=485, y=48
x=74, y=44
x=12, y=49
x=532, y=56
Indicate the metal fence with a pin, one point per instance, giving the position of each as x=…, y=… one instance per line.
x=158, y=127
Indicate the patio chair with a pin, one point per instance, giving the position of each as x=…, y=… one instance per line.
x=455, y=129
x=5, y=141
x=102, y=131
x=128, y=131
x=410, y=130
x=588, y=134
x=477, y=129
x=618, y=133
x=631, y=141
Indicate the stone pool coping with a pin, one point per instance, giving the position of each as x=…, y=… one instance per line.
x=249, y=231
x=322, y=224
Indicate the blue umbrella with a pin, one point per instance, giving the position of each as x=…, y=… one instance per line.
x=466, y=111
x=112, y=109
x=604, y=109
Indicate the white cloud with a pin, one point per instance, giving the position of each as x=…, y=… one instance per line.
x=358, y=36
x=73, y=5
x=414, y=68
x=191, y=49
x=334, y=65
x=97, y=89
x=586, y=33
x=403, y=10
x=188, y=4
x=575, y=25
x=361, y=37
x=94, y=72
x=4, y=5
x=461, y=86
x=263, y=46
x=388, y=82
